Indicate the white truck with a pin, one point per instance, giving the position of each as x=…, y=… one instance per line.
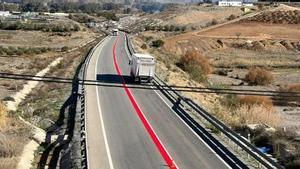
x=142, y=67
x=115, y=32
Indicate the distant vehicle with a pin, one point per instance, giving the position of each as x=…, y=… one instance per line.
x=115, y=32
x=142, y=67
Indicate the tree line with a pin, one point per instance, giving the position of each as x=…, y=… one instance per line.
x=59, y=6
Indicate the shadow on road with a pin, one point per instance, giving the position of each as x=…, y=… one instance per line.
x=207, y=137
x=57, y=153
x=114, y=79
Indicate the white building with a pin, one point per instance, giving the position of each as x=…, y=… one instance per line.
x=236, y=2
x=230, y=3
x=4, y=13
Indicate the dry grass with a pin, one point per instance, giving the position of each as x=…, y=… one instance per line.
x=248, y=110
x=9, y=147
x=2, y=116
x=259, y=76
x=255, y=100
x=8, y=163
x=257, y=114
x=254, y=31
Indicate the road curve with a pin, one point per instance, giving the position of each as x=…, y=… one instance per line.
x=117, y=137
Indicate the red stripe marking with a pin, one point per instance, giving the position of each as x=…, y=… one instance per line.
x=140, y=114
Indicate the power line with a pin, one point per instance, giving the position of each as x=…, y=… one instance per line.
x=113, y=81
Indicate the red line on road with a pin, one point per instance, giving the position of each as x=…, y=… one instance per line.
x=140, y=114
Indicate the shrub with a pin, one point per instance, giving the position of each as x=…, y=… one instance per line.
x=232, y=17
x=183, y=28
x=196, y=65
x=214, y=22
x=144, y=46
x=76, y=27
x=195, y=72
x=259, y=76
x=166, y=28
x=177, y=28
x=158, y=43
x=196, y=58
x=64, y=49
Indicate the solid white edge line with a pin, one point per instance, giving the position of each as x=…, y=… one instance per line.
x=111, y=166
x=182, y=121
x=190, y=128
x=85, y=113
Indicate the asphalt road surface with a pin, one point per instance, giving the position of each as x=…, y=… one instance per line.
x=130, y=128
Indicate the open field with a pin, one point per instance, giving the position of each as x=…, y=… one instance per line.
x=29, y=52
x=255, y=31
x=233, y=49
x=182, y=18
x=44, y=39
x=196, y=14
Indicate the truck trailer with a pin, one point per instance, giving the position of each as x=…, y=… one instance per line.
x=142, y=67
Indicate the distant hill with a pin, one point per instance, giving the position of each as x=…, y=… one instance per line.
x=110, y=1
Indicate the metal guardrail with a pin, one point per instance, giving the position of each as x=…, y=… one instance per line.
x=260, y=157
x=81, y=92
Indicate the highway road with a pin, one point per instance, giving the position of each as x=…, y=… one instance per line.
x=130, y=128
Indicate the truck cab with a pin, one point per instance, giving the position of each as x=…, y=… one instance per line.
x=142, y=67
x=115, y=32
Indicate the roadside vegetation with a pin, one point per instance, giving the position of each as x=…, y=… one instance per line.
x=236, y=57
x=45, y=27
x=259, y=76
x=196, y=65
x=11, y=50
x=11, y=139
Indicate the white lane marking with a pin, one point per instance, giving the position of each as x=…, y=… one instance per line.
x=111, y=166
x=85, y=114
x=182, y=121
x=146, y=117
x=190, y=128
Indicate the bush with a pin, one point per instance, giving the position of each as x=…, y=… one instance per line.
x=214, y=22
x=259, y=76
x=196, y=58
x=183, y=28
x=195, y=72
x=144, y=46
x=166, y=28
x=196, y=65
x=64, y=49
x=158, y=43
x=232, y=17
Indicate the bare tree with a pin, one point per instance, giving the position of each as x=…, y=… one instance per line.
x=238, y=34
